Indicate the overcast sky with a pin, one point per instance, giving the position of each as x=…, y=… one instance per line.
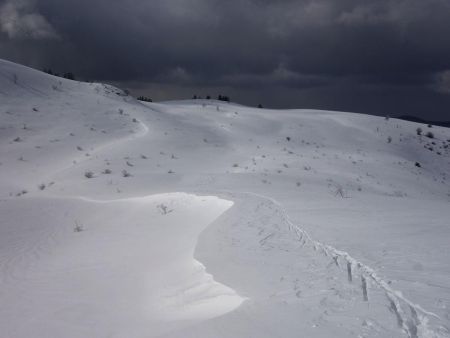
x=371, y=56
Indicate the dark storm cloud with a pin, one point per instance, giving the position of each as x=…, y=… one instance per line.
x=294, y=52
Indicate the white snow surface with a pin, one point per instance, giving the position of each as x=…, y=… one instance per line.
x=209, y=219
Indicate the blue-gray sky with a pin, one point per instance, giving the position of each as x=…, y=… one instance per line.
x=371, y=56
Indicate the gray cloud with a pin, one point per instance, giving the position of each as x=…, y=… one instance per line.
x=19, y=21
x=291, y=52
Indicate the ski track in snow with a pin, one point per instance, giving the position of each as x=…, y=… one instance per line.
x=413, y=321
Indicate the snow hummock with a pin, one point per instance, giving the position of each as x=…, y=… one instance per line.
x=206, y=219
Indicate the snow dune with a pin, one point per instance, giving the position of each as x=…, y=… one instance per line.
x=128, y=271
x=207, y=219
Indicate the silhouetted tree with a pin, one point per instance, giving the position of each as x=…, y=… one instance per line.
x=145, y=99
x=223, y=98
x=69, y=76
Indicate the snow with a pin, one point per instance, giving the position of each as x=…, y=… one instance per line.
x=209, y=219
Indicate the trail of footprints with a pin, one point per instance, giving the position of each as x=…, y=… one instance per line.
x=331, y=279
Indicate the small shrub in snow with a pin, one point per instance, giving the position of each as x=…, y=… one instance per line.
x=429, y=134
x=163, y=209
x=126, y=173
x=418, y=165
x=235, y=165
x=339, y=191
x=41, y=186
x=78, y=227
x=22, y=192
x=107, y=171
x=89, y=174
x=17, y=139
x=79, y=148
x=419, y=131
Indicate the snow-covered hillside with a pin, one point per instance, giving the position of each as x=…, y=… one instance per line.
x=209, y=219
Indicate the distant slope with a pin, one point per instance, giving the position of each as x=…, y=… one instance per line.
x=419, y=120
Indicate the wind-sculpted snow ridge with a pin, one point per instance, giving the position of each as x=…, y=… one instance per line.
x=412, y=318
x=126, y=269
